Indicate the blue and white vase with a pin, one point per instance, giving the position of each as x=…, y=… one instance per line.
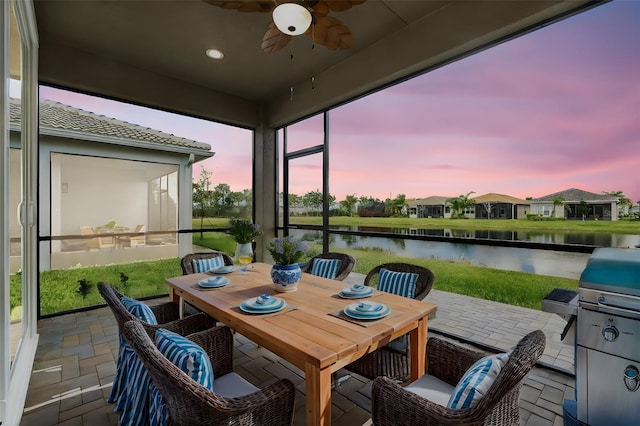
x=285, y=277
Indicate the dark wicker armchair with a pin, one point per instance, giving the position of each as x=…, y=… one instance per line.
x=189, y=403
x=187, y=268
x=167, y=315
x=393, y=405
x=388, y=360
x=187, y=265
x=346, y=266
x=424, y=284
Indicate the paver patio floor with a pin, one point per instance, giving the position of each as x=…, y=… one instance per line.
x=75, y=364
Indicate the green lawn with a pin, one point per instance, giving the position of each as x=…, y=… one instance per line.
x=59, y=288
x=516, y=288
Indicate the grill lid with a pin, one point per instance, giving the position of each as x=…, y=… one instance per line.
x=615, y=270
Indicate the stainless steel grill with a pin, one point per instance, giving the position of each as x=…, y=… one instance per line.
x=608, y=339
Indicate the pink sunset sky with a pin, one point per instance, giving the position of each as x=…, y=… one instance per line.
x=556, y=109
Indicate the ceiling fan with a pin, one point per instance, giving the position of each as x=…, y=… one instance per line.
x=295, y=17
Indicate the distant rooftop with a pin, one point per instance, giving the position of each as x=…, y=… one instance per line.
x=576, y=195
x=499, y=198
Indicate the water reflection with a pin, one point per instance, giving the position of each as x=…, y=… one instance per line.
x=542, y=262
x=546, y=237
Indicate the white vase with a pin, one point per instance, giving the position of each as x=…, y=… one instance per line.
x=244, y=253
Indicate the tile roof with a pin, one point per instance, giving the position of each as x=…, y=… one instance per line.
x=499, y=198
x=64, y=120
x=434, y=200
x=575, y=195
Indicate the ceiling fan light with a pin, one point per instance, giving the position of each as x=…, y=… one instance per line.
x=214, y=54
x=292, y=18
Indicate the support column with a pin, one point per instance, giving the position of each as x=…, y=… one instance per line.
x=265, y=183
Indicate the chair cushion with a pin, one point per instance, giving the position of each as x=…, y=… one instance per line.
x=400, y=283
x=326, y=268
x=233, y=385
x=187, y=356
x=203, y=265
x=476, y=381
x=432, y=388
x=139, y=310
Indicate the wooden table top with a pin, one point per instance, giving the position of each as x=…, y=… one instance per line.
x=308, y=333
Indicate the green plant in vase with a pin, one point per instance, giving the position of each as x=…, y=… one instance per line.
x=286, y=253
x=243, y=231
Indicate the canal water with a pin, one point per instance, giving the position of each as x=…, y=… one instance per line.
x=535, y=261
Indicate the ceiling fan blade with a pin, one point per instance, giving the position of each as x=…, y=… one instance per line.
x=244, y=6
x=332, y=33
x=337, y=5
x=274, y=40
x=319, y=8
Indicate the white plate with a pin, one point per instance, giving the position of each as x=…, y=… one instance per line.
x=222, y=269
x=252, y=303
x=249, y=307
x=357, y=289
x=354, y=295
x=353, y=313
x=214, y=282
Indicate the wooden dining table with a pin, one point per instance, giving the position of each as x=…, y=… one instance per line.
x=311, y=332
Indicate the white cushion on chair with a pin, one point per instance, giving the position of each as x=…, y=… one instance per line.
x=233, y=385
x=432, y=388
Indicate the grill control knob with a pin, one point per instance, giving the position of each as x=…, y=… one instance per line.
x=610, y=332
x=632, y=378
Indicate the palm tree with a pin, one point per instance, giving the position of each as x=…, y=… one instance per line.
x=622, y=200
x=583, y=209
x=557, y=202
x=349, y=203
x=460, y=203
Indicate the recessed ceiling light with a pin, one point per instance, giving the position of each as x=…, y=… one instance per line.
x=215, y=54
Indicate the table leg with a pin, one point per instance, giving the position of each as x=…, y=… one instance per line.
x=318, y=389
x=418, y=346
x=173, y=297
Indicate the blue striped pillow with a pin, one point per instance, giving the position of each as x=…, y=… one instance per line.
x=187, y=356
x=476, y=381
x=400, y=283
x=139, y=310
x=203, y=265
x=326, y=268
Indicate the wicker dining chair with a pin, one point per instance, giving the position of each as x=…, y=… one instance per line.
x=191, y=404
x=187, y=261
x=346, y=265
x=392, y=404
x=167, y=314
x=390, y=360
x=167, y=317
